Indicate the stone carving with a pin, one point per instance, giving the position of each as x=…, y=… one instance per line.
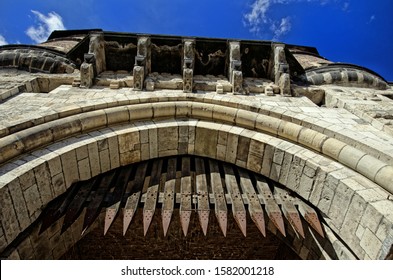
x=281, y=70
x=87, y=75
x=139, y=76
x=97, y=47
x=143, y=57
x=235, y=66
x=142, y=62
x=237, y=81
x=187, y=79
x=188, y=65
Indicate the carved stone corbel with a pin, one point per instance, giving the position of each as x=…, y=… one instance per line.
x=237, y=81
x=188, y=65
x=235, y=67
x=281, y=70
x=139, y=76
x=97, y=48
x=88, y=71
x=142, y=65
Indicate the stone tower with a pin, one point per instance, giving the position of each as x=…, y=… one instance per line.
x=118, y=145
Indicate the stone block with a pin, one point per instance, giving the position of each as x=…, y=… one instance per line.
x=64, y=127
x=267, y=124
x=93, y=120
x=26, y=250
x=385, y=229
x=255, y=156
x=206, y=142
x=243, y=148
x=130, y=157
x=128, y=139
x=371, y=218
x=232, y=145
x=289, y=131
x=224, y=114
x=27, y=179
x=161, y=110
x=385, y=208
x=371, y=244
x=168, y=138
x=246, y=119
x=140, y=112
x=19, y=204
x=267, y=160
x=43, y=179
x=70, y=167
x=33, y=201
x=113, y=146
x=82, y=152
x=58, y=184
x=84, y=169
x=332, y=148
x=105, y=162
x=94, y=159
x=305, y=186
x=295, y=173
x=117, y=115
x=369, y=166
x=285, y=167
x=326, y=198
x=201, y=110
x=340, y=204
x=183, y=109
x=153, y=143
x=384, y=177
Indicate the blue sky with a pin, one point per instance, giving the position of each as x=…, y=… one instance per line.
x=352, y=31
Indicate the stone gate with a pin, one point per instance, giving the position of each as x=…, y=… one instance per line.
x=205, y=148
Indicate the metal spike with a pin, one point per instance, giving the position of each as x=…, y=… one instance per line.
x=278, y=221
x=166, y=220
x=259, y=221
x=110, y=216
x=129, y=210
x=128, y=214
x=147, y=218
x=185, y=217
x=312, y=219
x=204, y=219
x=222, y=221
x=294, y=220
x=241, y=220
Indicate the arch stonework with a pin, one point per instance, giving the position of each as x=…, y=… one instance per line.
x=322, y=130
x=300, y=158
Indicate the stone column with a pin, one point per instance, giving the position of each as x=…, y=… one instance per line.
x=87, y=71
x=280, y=73
x=188, y=65
x=142, y=65
x=97, y=48
x=235, y=65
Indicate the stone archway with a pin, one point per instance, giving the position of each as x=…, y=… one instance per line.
x=278, y=159
x=314, y=177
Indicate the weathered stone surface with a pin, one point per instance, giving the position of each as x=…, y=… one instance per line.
x=338, y=157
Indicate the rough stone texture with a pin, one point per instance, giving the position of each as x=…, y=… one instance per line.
x=338, y=157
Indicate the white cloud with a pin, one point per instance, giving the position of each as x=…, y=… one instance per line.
x=372, y=18
x=281, y=29
x=345, y=6
x=258, y=20
x=45, y=26
x=3, y=41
